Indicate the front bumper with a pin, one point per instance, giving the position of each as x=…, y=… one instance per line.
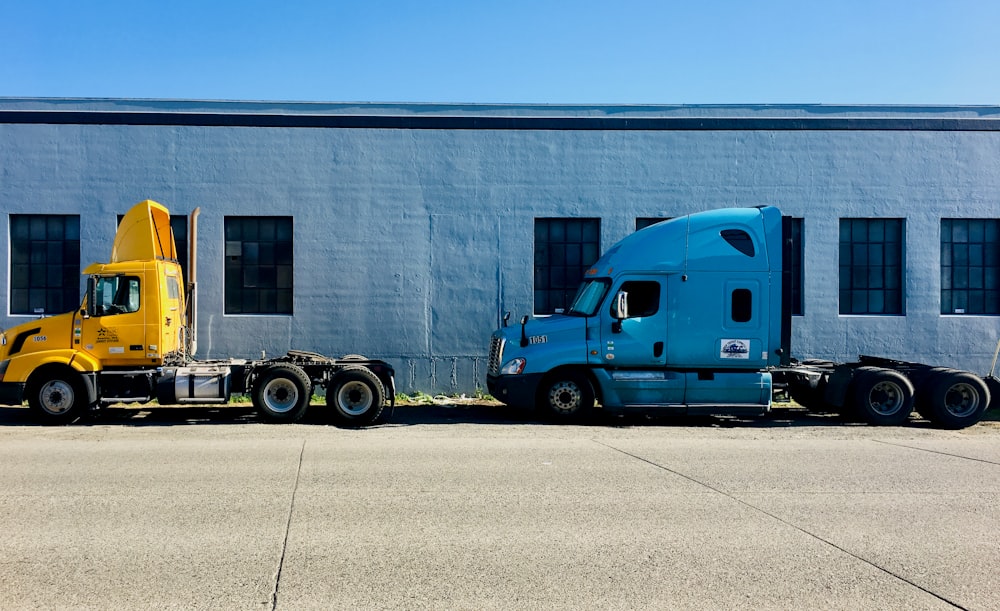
x=11, y=393
x=516, y=391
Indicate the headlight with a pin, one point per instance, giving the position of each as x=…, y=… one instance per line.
x=513, y=367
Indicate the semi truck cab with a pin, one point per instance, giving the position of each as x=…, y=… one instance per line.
x=685, y=315
x=132, y=341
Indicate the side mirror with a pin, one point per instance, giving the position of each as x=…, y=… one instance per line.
x=619, y=310
x=91, y=298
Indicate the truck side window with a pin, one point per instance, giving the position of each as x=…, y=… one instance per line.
x=117, y=295
x=740, y=240
x=742, y=305
x=643, y=297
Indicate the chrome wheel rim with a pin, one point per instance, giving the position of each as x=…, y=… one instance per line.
x=354, y=398
x=961, y=400
x=565, y=397
x=280, y=395
x=56, y=397
x=886, y=398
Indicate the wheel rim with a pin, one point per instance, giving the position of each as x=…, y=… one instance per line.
x=886, y=398
x=56, y=397
x=961, y=400
x=354, y=398
x=280, y=395
x=565, y=397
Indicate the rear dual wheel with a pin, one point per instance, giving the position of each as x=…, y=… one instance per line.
x=281, y=393
x=953, y=399
x=356, y=396
x=882, y=397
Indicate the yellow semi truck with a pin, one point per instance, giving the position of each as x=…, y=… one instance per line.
x=132, y=340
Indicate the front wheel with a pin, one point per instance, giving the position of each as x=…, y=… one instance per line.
x=57, y=396
x=282, y=393
x=356, y=396
x=567, y=397
x=882, y=397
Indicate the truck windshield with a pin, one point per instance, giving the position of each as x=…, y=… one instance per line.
x=589, y=297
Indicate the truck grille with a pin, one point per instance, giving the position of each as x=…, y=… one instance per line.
x=496, y=355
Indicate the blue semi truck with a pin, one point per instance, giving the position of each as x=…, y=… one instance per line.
x=693, y=316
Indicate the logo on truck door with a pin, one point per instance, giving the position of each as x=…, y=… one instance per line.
x=735, y=349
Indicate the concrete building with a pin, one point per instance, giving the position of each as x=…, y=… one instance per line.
x=405, y=231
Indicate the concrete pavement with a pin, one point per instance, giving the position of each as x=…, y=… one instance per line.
x=470, y=507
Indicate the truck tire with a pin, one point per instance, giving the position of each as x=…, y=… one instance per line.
x=993, y=385
x=567, y=397
x=882, y=397
x=56, y=395
x=923, y=384
x=356, y=396
x=281, y=393
x=956, y=399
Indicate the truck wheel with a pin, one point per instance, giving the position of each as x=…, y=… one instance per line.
x=282, y=393
x=56, y=395
x=882, y=397
x=993, y=385
x=956, y=399
x=923, y=385
x=357, y=396
x=567, y=397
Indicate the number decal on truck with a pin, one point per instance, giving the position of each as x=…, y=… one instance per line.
x=538, y=339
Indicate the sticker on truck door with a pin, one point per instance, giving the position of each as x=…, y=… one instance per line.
x=735, y=349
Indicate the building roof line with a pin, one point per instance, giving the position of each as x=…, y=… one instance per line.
x=466, y=122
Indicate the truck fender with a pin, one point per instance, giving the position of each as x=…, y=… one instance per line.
x=21, y=367
x=838, y=385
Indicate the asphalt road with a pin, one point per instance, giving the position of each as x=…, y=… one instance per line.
x=473, y=507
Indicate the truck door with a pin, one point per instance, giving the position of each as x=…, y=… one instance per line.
x=634, y=345
x=115, y=331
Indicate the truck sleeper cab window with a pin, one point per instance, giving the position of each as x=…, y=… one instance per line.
x=742, y=305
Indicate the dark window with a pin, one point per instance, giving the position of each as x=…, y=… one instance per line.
x=794, y=266
x=564, y=249
x=116, y=295
x=258, y=270
x=871, y=266
x=645, y=221
x=742, y=305
x=970, y=266
x=179, y=226
x=643, y=297
x=44, y=263
x=740, y=240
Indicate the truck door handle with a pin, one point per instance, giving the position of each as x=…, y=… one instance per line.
x=657, y=350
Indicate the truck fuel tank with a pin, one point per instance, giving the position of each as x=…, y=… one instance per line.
x=207, y=383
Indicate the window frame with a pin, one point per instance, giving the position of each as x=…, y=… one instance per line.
x=44, y=266
x=564, y=249
x=979, y=244
x=868, y=257
x=259, y=266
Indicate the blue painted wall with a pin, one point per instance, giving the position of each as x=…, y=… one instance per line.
x=412, y=238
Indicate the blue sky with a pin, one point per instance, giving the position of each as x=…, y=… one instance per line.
x=514, y=51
